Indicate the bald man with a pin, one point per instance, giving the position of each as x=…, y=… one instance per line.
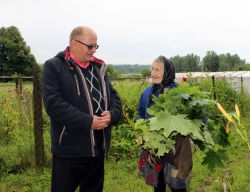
x=82, y=106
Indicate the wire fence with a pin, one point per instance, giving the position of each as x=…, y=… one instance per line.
x=18, y=81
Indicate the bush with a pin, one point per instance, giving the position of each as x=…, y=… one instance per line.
x=16, y=131
x=123, y=134
x=16, y=139
x=225, y=94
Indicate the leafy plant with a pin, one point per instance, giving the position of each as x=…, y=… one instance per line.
x=184, y=110
x=123, y=134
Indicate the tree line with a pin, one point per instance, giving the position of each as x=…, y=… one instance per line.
x=211, y=62
x=16, y=58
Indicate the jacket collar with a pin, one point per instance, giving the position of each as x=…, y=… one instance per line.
x=70, y=56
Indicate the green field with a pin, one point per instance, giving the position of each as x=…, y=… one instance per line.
x=17, y=164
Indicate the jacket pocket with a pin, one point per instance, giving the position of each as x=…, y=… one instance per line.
x=61, y=135
x=170, y=177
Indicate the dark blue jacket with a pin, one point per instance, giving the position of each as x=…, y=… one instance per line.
x=65, y=101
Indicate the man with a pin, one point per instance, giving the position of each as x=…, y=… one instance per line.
x=82, y=106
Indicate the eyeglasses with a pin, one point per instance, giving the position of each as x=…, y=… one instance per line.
x=90, y=47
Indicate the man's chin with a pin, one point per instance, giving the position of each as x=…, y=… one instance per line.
x=90, y=58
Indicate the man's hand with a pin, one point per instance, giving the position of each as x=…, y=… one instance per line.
x=101, y=122
x=106, y=115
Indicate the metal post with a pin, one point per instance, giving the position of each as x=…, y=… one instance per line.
x=241, y=85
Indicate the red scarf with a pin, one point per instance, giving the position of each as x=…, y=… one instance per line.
x=69, y=55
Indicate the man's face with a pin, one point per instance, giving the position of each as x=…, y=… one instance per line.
x=157, y=72
x=85, y=47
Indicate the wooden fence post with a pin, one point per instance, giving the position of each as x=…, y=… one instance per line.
x=20, y=88
x=38, y=117
x=16, y=82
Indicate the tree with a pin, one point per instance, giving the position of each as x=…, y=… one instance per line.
x=191, y=62
x=188, y=63
x=145, y=72
x=178, y=63
x=112, y=73
x=15, y=56
x=211, y=62
x=230, y=62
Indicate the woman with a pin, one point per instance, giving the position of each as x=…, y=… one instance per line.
x=174, y=168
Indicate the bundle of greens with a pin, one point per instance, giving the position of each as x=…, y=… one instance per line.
x=183, y=110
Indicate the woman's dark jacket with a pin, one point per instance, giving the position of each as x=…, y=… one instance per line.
x=66, y=101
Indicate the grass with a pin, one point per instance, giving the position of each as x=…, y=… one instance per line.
x=234, y=175
x=122, y=176
x=119, y=176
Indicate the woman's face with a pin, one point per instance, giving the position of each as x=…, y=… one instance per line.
x=157, y=72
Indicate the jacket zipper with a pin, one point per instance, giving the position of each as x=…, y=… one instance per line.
x=102, y=73
x=61, y=135
x=92, y=138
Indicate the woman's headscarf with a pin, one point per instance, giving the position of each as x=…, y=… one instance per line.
x=169, y=71
x=168, y=75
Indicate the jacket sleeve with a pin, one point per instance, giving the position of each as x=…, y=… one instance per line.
x=141, y=108
x=115, y=105
x=57, y=108
x=143, y=104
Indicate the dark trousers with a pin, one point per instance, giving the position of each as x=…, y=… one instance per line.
x=68, y=174
x=161, y=187
x=178, y=190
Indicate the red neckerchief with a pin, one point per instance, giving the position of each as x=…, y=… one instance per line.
x=69, y=55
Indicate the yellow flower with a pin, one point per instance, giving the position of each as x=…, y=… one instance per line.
x=227, y=127
x=229, y=118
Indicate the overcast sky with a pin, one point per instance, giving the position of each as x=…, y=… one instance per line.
x=133, y=31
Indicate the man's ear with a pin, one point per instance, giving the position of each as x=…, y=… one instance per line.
x=72, y=43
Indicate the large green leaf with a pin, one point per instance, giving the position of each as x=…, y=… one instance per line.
x=215, y=158
x=208, y=138
x=175, y=123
